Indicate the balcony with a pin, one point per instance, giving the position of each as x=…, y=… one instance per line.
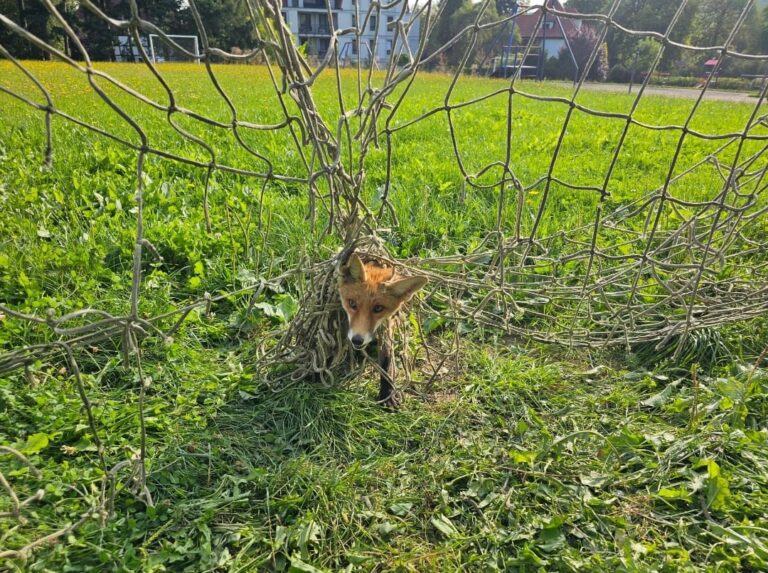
x=313, y=4
x=314, y=30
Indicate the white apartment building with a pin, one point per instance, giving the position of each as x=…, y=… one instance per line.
x=378, y=37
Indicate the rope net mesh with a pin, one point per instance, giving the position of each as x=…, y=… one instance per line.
x=683, y=249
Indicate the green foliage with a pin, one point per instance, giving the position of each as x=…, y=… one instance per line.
x=451, y=18
x=646, y=51
x=228, y=23
x=721, y=83
x=764, y=29
x=619, y=74
x=583, y=43
x=493, y=470
x=35, y=18
x=702, y=23
x=714, y=20
x=589, y=6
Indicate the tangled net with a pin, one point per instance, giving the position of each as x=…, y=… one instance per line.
x=650, y=270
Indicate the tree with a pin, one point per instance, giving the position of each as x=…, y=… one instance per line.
x=583, y=43
x=33, y=16
x=763, y=46
x=590, y=6
x=650, y=16
x=228, y=23
x=14, y=10
x=646, y=50
x=714, y=21
x=95, y=34
x=99, y=38
x=640, y=15
x=485, y=42
x=442, y=25
x=711, y=25
x=455, y=17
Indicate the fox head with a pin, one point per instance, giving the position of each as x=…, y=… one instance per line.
x=370, y=295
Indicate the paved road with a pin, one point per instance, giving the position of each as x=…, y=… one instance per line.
x=689, y=93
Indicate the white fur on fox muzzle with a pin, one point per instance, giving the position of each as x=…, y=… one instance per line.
x=359, y=340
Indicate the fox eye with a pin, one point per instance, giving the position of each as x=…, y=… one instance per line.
x=378, y=308
x=352, y=304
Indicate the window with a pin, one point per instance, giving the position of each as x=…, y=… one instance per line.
x=390, y=24
x=389, y=47
x=305, y=23
x=322, y=27
x=322, y=46
x=354, y=46
x=372, y=27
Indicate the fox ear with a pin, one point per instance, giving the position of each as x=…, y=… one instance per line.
x=405, y=288
x=354, y=269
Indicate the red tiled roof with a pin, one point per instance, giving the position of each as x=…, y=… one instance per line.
x=526, y=23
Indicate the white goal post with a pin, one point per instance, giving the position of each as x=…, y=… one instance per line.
x=161, y=51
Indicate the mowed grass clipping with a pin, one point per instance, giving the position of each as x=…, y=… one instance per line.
x=523, y=459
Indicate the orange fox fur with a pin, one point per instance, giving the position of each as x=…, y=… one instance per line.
x=370, y=295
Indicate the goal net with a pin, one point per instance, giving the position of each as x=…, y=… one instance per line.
x=652, y=254
x=174, y=48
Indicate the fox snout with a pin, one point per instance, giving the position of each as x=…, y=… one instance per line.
x=364, y=318
x=359, y=341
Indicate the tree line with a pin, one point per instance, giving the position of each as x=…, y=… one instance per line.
x=227, y=23
x=701, y=23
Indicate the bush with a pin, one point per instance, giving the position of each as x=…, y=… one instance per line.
x=693, y=81
x=559, y=68
x=583, y=43
x=733, y=84
x=599, y=70
x=619, y=74
x=676, y=81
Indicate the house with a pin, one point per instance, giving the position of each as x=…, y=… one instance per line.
x=377, y=38
x=710, y=65
x=549, y=37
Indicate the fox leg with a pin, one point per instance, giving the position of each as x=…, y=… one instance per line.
x=389, y=397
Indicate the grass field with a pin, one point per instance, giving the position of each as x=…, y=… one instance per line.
x=527, y=458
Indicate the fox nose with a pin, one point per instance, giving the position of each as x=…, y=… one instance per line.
x=357, y=341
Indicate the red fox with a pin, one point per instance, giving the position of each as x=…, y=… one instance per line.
x=370, y=295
